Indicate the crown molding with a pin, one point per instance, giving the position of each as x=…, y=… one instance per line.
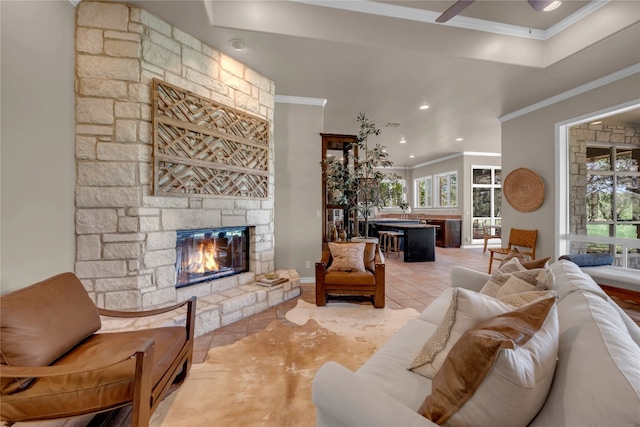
x=429, y=17
x=301, y=100
x=481, y=154
x=618, y=75
x=577, y=16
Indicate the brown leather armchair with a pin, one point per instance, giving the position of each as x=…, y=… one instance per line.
x=367, y=283
x=53, y=364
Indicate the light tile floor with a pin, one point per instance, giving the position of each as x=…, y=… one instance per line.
x=412, y=285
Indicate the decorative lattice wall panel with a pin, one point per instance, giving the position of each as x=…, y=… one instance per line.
x=205, y=148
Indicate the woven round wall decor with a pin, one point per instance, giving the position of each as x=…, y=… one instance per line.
x=524, y=190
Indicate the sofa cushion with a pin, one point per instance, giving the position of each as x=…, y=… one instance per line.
x=569, y=278
x=348, y=278
x=466, y=308
x=597, y=379
x=387, y=370
x=499, y=372
x=42, y=322
x=347, y=256
x=64, y=396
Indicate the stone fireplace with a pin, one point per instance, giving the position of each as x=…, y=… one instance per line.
x=209, y=254
x=125, y=235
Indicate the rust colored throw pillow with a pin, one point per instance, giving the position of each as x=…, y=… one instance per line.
x=466, y=309
x=500, y=371
x=347, y=257
x=528, y=264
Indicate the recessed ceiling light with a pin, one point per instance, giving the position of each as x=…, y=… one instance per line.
x=403, y=141
x=237, y=44
x=459, y=139
x=411, y=156
x=424, y=107
x=552, y=6
x=384, y=150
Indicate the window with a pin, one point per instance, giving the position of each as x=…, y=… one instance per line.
x=612, y=193
x=391, y=192
x=447, y=189
x=486, y=188
x=423, y=192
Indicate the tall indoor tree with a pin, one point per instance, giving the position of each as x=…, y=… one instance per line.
x=355, y=179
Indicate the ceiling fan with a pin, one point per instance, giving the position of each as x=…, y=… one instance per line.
x=460, y=5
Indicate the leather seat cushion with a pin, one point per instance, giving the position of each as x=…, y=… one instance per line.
x=345, y=278
x=64, y=396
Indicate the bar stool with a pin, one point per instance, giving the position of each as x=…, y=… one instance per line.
x=394, y=242
x=384, y=241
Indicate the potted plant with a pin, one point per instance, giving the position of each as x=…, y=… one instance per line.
x=355, y=180
x=405, y=207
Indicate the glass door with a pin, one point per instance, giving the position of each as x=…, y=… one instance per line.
x=486, y=188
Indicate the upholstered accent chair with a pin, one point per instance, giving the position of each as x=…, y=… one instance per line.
x=521, y=239
x=336, y=277
x=54, y=362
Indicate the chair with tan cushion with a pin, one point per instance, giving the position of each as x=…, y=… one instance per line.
x=54, y=364
x=351, y=268
x=521, y=239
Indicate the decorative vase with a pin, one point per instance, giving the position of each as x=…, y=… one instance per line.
x=334, y=234
x=343, y=235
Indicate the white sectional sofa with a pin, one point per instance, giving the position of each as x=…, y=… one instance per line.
x=596, y=380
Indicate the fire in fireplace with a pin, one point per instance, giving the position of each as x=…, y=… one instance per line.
x=208, y=254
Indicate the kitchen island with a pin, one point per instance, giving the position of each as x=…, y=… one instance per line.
x=419, y=239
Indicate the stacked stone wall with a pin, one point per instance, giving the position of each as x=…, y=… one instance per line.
x=126, y=236
x=580, y=136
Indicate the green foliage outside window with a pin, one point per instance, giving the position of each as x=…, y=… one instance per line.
x=612, y=194
x=391, y=193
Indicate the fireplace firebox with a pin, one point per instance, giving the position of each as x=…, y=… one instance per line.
x=208, y=254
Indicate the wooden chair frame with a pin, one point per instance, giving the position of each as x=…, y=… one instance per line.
x=522, y=239
x=376, y=290
x=486, y=232
x=143, y=402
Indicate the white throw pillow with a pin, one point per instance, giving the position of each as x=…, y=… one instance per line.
x=466, y=308
x=512, y=277
x=500, y=371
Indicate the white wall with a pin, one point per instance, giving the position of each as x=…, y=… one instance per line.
x=529, y=141
x=37, y=137
x=298, y=151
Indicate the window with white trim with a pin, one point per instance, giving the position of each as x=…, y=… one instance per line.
x=423, y=192
x=446, y=185
x=612, y=193
x=391, y=192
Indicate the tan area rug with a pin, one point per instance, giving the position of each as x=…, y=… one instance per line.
x=265, y=378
